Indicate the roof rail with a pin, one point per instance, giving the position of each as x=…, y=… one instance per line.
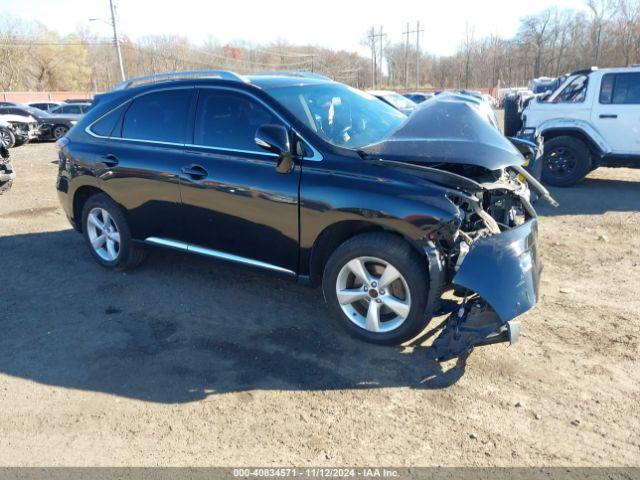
x=296, y=73
x=167, y=76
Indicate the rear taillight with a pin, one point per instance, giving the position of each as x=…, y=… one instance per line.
x=61, y=143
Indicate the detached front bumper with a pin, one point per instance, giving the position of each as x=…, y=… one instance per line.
x=501, y=275
x=504, y=270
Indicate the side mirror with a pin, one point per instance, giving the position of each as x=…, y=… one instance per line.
x=275, y=139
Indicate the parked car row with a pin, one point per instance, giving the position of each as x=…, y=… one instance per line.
x=20, y=124
x=590, y=120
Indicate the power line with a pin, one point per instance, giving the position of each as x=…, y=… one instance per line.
x=47, y=44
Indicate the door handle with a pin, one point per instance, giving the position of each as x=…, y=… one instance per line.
x=109, y=160
x=195, y=171
x=608, y=116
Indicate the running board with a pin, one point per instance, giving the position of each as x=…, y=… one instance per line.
x=207, y=252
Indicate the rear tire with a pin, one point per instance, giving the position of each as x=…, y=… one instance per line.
x=566, y=161
x=378, y=310
x=107, y=234
x=59, y=131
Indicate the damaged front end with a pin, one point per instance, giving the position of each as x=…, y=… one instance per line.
x=491, y=256
x=487, y=254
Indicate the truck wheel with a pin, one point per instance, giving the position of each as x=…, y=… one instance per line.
x=7, y=138
x=512, y=117
x=376, y=285
x=566, y=161
x=107, y=234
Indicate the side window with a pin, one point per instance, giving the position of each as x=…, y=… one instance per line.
x=159, y=116
x=606, y=88
x=107, y=126
x=575, y=92
x=627, y=88
x=229, y=120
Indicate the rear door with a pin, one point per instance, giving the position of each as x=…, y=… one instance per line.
x=616, y=112
x=138, y=156
x=234, y=202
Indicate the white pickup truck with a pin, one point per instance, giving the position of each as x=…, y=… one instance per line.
x=592, y=120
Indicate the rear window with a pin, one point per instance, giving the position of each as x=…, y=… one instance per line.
x=106, y=126
x=159, y=116
x=620, y=88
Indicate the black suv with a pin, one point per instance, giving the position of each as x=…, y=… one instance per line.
x=314, y=180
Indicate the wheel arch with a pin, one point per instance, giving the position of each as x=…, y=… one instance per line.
x=336, y=234
x=596, y=146
x=80, y=197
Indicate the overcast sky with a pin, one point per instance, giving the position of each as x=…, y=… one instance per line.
x=339, y=24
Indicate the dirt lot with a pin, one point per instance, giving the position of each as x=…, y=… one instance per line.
x=187, y=361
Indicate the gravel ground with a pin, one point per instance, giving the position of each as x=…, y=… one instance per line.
x=187, y=361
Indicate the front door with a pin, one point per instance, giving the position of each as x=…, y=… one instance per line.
x=234, y=203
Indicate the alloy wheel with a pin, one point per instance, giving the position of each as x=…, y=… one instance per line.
x=561, y=162
x=373, y=294
x=5, y=138
x=59, y=132
x=103, y=234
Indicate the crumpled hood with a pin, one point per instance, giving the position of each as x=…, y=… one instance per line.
x=445, y=131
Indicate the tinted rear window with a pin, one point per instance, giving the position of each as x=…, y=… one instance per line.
x=159, y=116
x=620, y=88
x=106, y=126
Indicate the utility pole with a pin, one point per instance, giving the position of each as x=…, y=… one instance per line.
x=418, y=31
x=116, y=40
x=372, y=46
x=406, y=58
x=381, y=36
x=373, y=40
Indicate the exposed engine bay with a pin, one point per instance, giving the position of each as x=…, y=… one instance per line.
x=491, y=204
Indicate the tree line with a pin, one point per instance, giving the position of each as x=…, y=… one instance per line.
x=551, y=42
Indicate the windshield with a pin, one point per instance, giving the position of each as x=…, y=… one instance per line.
x=575, y=91
x=341, y=115
x=399, y=101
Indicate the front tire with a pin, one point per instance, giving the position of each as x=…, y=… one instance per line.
x=107, y=234
x=376, y=286
x=566, y=161
x=7, y=138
